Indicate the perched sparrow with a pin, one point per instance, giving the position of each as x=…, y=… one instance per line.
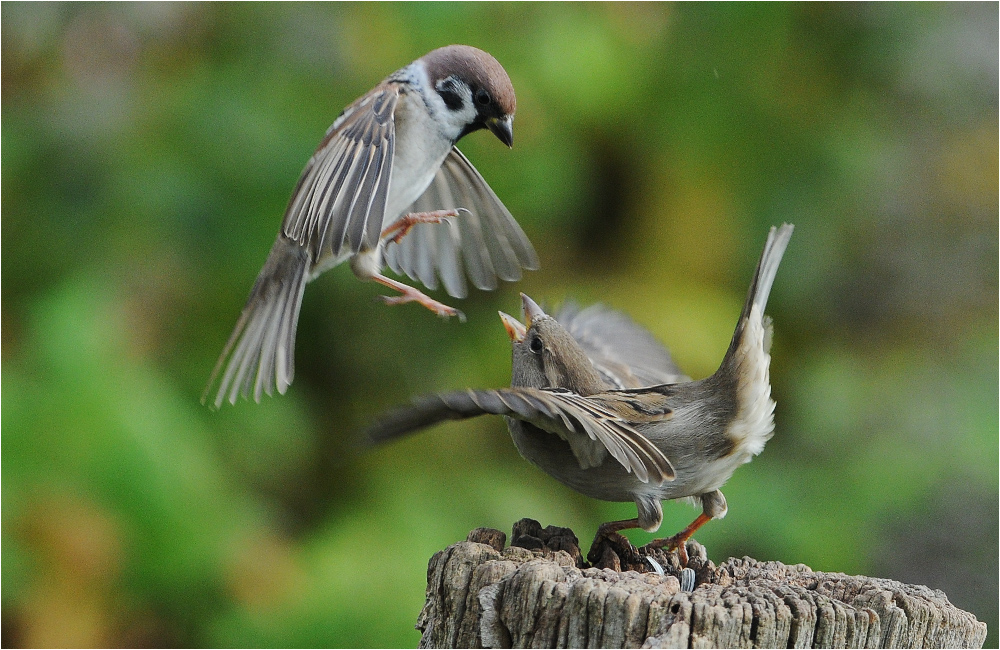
x=386, y=166
x=666, y=441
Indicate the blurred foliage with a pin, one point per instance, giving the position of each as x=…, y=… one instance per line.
x=149, y=150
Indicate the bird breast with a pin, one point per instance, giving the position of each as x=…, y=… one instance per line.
x=420, y=149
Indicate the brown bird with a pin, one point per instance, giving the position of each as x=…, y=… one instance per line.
x=387, y=165
x=567, y=414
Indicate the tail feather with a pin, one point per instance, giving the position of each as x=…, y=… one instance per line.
x=767, y=268
x=760, y=290
x=259, y=354
x=746, y=366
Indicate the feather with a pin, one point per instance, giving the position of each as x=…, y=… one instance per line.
x=484, y=241
x=557, y=411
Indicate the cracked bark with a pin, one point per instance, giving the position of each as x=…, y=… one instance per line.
x=539, y=593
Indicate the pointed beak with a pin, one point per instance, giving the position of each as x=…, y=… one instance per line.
x=515, y=330
x=503, y=129
x=532, y=311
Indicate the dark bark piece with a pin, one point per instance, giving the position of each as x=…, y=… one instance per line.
x=539, y=593
x=489, y=536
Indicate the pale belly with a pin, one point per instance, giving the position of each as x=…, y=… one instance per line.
x=419, y=152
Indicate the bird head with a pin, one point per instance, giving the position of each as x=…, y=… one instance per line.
x=545, y=355
x=475, y=89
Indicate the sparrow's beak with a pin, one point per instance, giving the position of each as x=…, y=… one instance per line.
x=532, y=311
x=502, y=128
x=515, y=330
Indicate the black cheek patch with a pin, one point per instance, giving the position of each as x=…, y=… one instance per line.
x=451, y=99
x=447, y=89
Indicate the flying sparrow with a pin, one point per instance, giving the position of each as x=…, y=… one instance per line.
x=568, y=414
x=387, y=166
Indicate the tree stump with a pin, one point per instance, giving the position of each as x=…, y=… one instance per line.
x=540, y=593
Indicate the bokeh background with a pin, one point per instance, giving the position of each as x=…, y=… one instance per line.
x=149, y=150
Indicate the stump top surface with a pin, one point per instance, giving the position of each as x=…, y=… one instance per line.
x=539, y=592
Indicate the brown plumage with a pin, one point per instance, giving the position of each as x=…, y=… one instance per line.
x=386, y=187
x=703, y=430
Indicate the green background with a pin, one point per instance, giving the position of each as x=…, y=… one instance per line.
x=149, y=150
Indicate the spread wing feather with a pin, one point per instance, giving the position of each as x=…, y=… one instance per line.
x=484, y=241
x=258, y=352
x=557, y=411
x=626, y=354
x=339, y=201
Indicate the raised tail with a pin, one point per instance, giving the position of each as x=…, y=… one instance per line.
x=752, y=316
x=746, y=366
x=767, y=268
x=261, y=349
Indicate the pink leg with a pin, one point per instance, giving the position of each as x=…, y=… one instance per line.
x=403, y=225
x=409, y=294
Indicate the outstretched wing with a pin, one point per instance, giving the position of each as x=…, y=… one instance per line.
x=484, y=242
x=339, y=201
x=563, y=413
x=625, y=353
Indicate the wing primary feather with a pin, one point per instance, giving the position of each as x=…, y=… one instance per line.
x=477, y=257
x=424, y=246
x=269, y=337
x=380, y=193
x=359, y=205
x=558, y=411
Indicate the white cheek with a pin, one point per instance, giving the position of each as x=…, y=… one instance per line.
x=452, y=122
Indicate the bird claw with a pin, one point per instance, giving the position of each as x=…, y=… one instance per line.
x=409, y=294
x=438, y=308
x=679, y=541
x=402, y=226
x=676, y=544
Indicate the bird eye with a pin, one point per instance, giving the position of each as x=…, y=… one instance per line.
x=536, y=344
x=482, y=97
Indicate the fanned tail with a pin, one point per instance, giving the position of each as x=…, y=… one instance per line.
x=261, y=349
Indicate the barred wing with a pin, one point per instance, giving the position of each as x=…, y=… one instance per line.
x=339, y=201
x=576, y=419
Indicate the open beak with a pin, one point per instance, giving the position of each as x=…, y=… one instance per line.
x=503, y=129
x=515, y=330
x=532, y=311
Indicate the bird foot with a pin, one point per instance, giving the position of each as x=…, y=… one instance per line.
x=409, y=294
x=402, y=226
x=676, y=544
x=679, y=541
x=438, y=308
x=669, y=546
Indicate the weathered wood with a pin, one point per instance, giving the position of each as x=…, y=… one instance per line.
x=539, y=593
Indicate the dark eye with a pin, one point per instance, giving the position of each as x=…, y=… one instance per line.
x=482, y=97
x=536, y=344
